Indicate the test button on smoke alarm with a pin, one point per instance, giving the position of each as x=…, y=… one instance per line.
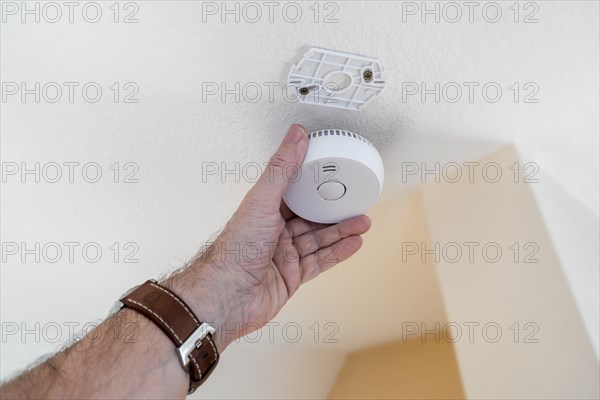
x=331, y=190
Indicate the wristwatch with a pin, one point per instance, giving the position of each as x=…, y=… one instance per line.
x=195, y=347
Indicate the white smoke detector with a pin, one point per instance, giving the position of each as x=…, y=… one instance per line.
x=341, y=177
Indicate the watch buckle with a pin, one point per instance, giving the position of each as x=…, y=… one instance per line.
x=194, y=341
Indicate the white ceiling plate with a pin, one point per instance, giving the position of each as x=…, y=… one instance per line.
x=336, y=79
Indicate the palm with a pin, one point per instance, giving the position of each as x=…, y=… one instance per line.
x=294, y=251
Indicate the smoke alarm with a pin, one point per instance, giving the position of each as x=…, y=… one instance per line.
x=341, y=177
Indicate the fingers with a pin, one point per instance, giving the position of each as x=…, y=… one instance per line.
x=283, y=165
x=316, y=248
x=322, y=260
x=309, y=237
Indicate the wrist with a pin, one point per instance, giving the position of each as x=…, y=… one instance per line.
x=211, y=296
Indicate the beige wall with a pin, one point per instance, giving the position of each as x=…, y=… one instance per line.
x=552, y=357
x=410, y=370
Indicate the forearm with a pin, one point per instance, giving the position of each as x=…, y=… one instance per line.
x=111, y=363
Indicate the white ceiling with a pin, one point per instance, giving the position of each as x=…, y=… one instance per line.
x=170, y=53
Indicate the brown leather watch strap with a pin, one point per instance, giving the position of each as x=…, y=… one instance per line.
x=178, y=322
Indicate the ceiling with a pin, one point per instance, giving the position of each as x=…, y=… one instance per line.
x=176, y=128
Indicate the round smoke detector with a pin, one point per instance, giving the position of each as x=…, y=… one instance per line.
x=341, y=177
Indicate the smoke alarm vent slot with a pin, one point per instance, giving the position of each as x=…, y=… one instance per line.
x=329, y=168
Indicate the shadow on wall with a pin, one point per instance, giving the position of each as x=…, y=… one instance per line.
x=410, y=369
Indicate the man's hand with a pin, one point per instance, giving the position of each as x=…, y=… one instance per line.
x=266, y=252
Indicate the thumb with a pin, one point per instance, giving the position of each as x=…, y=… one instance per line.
x=283, y=164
